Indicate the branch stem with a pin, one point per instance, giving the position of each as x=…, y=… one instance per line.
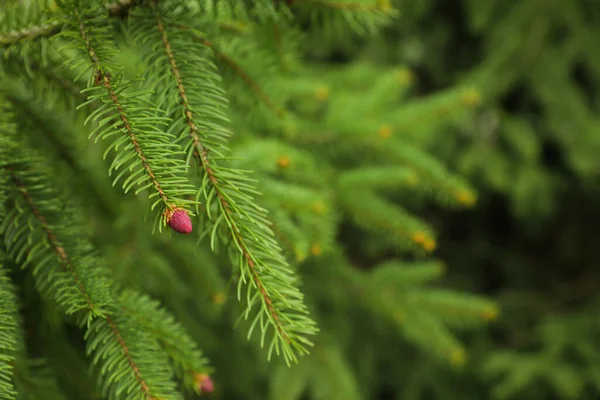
x=201, y=155
x=130, y=361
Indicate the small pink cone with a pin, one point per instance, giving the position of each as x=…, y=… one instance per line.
x=180, y=222
x=204, y=383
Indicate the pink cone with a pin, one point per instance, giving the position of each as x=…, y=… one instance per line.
x=180, y=222
x=205, y=383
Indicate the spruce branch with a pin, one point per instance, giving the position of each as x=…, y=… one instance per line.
x=449, y=187
x=250, y=66
x=30, y=33
x=35, y=233
x=425, y=314
x=378, y=215
x=149, y=156
x=198, y=117
x=127, y=353
x=383, y=98
x=79, y=286
x=51, y=237
x=132, y=363
x=185, y=356
x=118, y=9
x=107, y=322
x=34, y=215
x=105, y=81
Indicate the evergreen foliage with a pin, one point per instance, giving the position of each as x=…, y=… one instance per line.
x=310, y=180
x=530, y=152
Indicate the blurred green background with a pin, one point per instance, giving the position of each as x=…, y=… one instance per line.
x=531, y=152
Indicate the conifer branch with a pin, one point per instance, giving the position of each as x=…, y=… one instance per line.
x=52, y=239
x=118, y=9
x=375, y=213
x=198, y=116
x=160, y=169
x=187, y=359
x=201, y=153
x=132, y=364
x=113, y=96
x=193, y=129
x=87, y=283
x=67, y=264
x=72, y=291
x=30, y=33
x=103, y=326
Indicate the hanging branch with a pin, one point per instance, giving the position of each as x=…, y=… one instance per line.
x=198, y=117
x=65, y=269
x=188, y=361
x=62, y=279
x=129, y=359
x=146, y=157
